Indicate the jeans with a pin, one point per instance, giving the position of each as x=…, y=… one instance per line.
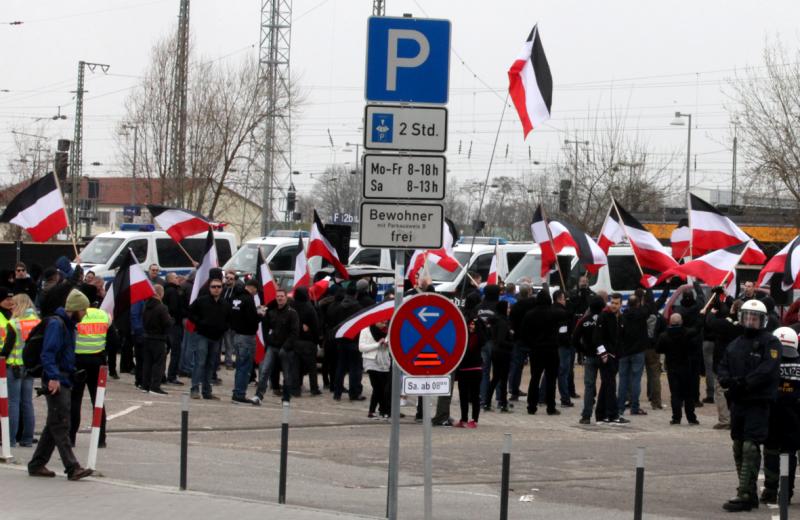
x=630, y=381
x=206, y=350
x=245, y=348
x=566, y=358
x=590, y=369
x=486, y=370
x=20, y=396
x=228, y=347
x=175, y=341
x=187, y=351
x=267, y=368
x=56, y=434
x=708, y=361
x=518, y=356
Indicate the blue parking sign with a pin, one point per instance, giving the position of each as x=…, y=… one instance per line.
x=408, y=60
x=382, y=128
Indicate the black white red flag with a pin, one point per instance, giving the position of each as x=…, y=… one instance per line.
x=371, y=315
x=210, y=260
x=130, y=286
x=530, y=84
x=302, y=278
x=714, y=268
x=712, y=230
x=39, y=209
x=590, y=255
x=179, y=223
x=786, y=263
x=319, y=245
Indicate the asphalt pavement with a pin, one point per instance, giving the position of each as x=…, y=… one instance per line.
x=338, y=460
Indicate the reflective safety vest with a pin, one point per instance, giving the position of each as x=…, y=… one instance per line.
x=91, y=337
x=3, y=324
x=22, y=327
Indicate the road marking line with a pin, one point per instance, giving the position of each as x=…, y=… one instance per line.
x=126, y=411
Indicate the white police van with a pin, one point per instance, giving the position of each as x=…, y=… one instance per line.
x=106, y=251
x=279, y=249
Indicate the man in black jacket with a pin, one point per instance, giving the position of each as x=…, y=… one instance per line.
x=349, y=358
x=245, y=320
x=541, y=334
x=157, y=321
x=210, y=315
x=631, y=360
x=583, y=341
x=564, y=321
x=306, y=344
x=281, y=326
x=173, y=297
x=724, y=324
x=608, y=338
x=520, y=353
x=675, y=343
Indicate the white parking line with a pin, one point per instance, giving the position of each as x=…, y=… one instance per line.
x=126, y=411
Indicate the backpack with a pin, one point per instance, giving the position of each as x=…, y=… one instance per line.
x=32, y=352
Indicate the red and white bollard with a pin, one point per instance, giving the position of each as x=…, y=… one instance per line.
x=97, y=417
x=5, y=429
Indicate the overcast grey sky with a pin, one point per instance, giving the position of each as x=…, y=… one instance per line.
x=644, y=58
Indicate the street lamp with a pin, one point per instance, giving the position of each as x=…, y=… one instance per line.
x=678, y=121
x=135, y=129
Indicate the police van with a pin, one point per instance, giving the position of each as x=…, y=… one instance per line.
x=279, y=249
x=106, y=251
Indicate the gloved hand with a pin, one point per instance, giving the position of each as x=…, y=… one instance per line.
x=737, y=390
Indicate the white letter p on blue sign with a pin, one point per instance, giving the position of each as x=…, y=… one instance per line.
x=393, y=61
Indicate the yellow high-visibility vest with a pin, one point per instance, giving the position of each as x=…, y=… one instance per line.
x=22, y=327
x=91, y=337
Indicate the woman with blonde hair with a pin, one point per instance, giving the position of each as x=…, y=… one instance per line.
x=20, y=384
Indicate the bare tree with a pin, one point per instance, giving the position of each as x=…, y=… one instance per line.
x=766, y=102
x=335, y=191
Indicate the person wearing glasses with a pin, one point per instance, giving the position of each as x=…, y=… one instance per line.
x=23, y=283
x=211, y=315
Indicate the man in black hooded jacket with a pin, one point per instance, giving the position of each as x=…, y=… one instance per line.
x=306, y=344
x=540, y=332
x=349, y=358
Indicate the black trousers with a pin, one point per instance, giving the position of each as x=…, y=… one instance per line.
x=681, y=392
x=91, y=363
x=154, y=356
x=329, y=361
x=501, y=363
x=607, y=396
x=543, y=363
x=349, y=362
x=138, y=356
x=56, y=434
x=469, y=393
x=381, y=392
x=175, y=340
x=126, y=355
x=307, y=363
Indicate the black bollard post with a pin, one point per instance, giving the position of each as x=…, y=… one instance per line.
x=783, y=493
x=638, y=501
x=505, y=477
x=184, y=438
x=284, y=453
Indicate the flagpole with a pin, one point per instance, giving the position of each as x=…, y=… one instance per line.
x=625, y=229
x=185, y=252
x=550, y=238
x=744, y=250
x=485, y=186
x=691, y=229
x=69, y=226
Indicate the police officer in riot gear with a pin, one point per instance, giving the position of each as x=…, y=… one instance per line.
x=784, y=419
x=750, y=371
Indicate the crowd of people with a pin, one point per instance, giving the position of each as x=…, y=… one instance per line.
x=167, y=341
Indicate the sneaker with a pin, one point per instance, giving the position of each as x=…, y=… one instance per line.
x=585, y=420
x=240, y=400
x=504, y=409
x=256, y=401
x=459, y=424
x=605, y=420
x=693, y=422
x=487, y=408
x=371, y=415
x=574, y=396
x=532, y=411
x=472, y=425
x=79, y=473
x=620, y=420
x=567, y=404
x=174, y=382
x=158, y=392
x=675, y=422
x=657, y=406
x=553, y=412
x=446, y=423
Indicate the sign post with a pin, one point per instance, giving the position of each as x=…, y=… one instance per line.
x=428, y=339
x=408, y=63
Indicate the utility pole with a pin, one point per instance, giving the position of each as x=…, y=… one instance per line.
x=378, y=8
x=76, y=165
x=135, y=147
x=274, y=84
x=178, y=139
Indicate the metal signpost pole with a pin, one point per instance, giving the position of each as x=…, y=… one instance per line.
x=394, y=436
x=427, y=455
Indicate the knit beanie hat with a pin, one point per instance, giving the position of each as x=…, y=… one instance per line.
x=76, y=301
